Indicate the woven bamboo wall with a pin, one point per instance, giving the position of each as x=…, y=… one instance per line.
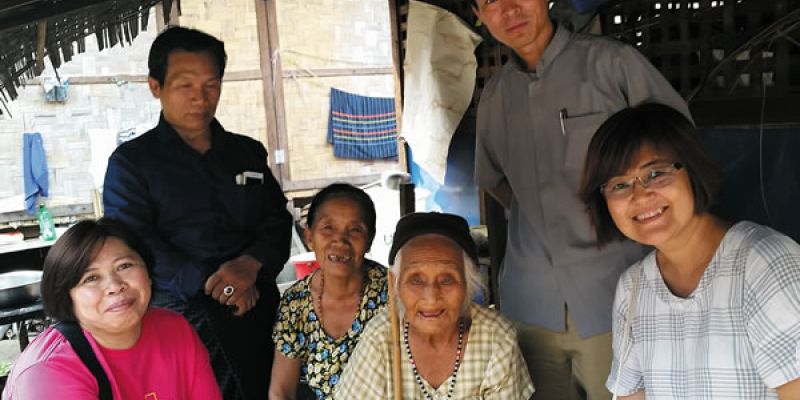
x=306, y=100
x=241, y=108
x=325, y=34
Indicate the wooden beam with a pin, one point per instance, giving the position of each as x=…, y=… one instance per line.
x=497, y=233
x=277, y=88
x=308, y=184
x=41, y=38
x=397, y=70
x=56, y=211
x=232, y=76
x=173, y=17
x=272, y=89
x=332, y=72
x=96, y=80
x=7, y=5
x=407, y=199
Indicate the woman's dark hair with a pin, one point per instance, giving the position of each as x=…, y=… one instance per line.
x=616, y=144
x=180, y=38
x=69, y=257
x=345, y=191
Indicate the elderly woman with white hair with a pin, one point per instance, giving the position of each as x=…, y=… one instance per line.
x=450, y=347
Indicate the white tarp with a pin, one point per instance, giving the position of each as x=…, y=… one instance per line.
x=439, y=71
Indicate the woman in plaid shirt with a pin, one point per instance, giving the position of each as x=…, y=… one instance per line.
x=714, y=311
x=450, y=347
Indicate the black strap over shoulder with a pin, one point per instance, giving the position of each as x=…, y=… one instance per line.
x=74, y=335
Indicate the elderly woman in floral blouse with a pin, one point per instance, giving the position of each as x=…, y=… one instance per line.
x=321, y=317
x=450, y=347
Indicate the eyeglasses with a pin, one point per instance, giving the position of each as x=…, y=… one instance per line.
x=656, y=176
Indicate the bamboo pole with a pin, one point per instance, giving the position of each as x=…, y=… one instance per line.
x=397, y=378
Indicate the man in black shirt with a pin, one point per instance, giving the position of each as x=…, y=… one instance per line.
x=207, y=204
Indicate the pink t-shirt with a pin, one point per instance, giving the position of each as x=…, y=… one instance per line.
x=167, y=363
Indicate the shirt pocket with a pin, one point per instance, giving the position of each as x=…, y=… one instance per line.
x=579, y=131
x=246, y=204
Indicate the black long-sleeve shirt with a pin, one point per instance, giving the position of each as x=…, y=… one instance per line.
x=190, y=210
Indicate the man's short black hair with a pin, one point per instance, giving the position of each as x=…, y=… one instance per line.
x=72, y=254
x=185, y=39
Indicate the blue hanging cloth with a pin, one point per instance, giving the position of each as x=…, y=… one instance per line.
x=360, y=127
x=34, y=170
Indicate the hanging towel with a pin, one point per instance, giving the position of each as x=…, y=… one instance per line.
x=360, y=127
x=34, y=170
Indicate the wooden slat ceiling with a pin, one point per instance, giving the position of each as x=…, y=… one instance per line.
x=31, y=30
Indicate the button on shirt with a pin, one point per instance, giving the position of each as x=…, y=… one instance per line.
x=533, y=129
x=190, y=210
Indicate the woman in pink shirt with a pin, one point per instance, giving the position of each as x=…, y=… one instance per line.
x=97, y=275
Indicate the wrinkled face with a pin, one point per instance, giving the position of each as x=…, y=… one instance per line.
x=654, y=216
x=338, y=237
x=431, y=284
x=515, y=23
x=113, y=294
x=190, y=92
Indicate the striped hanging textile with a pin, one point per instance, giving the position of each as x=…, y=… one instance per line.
x=363, y=128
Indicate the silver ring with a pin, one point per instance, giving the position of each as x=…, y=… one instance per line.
x=228, y=290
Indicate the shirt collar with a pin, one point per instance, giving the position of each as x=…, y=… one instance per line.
x=168, y=134
x=557, y=44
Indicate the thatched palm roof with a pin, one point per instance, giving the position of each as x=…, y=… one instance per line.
x=33, y=29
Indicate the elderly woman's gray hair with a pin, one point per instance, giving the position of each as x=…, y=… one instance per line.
x=473, y=284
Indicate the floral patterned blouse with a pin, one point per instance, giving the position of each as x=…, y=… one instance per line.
x=298, y=333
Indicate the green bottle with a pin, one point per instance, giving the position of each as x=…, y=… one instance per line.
x=47, y=228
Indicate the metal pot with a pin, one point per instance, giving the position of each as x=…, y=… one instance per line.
x=19, y=287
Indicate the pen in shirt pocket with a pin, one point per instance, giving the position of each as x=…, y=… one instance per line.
x=562, y=115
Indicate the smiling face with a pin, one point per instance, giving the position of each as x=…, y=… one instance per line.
x=515, y=23
x=655, y=217
x=338, y=236
x=190, y=93
x=113, y=294
x=431, y=284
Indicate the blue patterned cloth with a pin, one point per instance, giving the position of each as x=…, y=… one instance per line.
x=360, y=127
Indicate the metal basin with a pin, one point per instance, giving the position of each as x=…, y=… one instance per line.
x=19, y=287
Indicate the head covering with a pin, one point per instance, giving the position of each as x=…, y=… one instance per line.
x=451, y=226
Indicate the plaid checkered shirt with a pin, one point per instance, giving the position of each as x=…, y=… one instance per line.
x=492, y=366
x=735, y=337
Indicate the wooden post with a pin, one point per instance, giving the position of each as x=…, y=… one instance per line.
x=42, y=36
x=496, y=230
x=397, y=66
x=272, y=86
x=406, y=198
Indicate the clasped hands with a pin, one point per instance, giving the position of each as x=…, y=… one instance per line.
x=239, y=273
